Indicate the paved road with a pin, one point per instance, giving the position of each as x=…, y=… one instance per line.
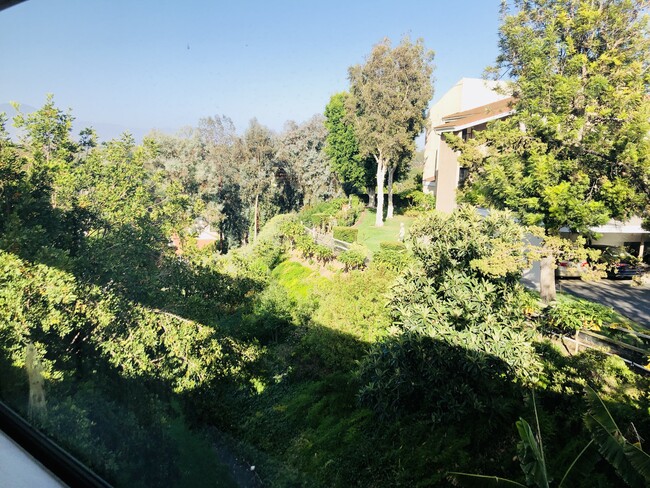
x=633, y=302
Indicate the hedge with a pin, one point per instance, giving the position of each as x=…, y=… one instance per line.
x=346, y=234
x=395, y=260
x=392, y=246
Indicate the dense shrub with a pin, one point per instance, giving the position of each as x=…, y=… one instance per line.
x=354, y=258
x=274, y=229
x=461, y=302
x=314, y=216
x=324, y=254
x=346, y=234
x=271, y=317
x=571, y=314
x=415, y=202
x=395, y=260
x=350, y=212
x=306, y=245
x=268, y=254
x=292, y=230
x=392, y=246
x=321, y=220
x=445, y=378
x=343, y=211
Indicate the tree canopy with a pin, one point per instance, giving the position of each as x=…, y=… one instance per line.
x=389, y=97
x=342, y=147
x=576, y=152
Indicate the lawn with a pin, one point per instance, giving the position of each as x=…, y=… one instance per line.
x=370, y=236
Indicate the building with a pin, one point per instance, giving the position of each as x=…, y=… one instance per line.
x=441, y=172
x=466, y=109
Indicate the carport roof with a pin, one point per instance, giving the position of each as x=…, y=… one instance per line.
x=632, y=226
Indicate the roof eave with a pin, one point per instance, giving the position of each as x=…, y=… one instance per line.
x=474, y=123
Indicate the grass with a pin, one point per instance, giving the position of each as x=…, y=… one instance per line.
x=297, y=279
x=370, y=236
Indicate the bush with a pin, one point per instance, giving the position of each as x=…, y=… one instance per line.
x=273, y=230
x=571, y=314
x=271, y=317
x=292, y=230
x=324, y=254
x=268, y=254
x=306, y=245
x=354, y=258
x=349, y=213
x=395, y=260
x=346, y=234
x=415, y=202
x=321, y=220
x=392, y=246
x=315, y=216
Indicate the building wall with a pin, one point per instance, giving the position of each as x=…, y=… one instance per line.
x=466, y=94
x=447, y=182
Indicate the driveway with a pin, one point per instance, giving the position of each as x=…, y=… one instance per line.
x=628, y=300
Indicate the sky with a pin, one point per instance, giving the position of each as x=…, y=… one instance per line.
x=166, y=63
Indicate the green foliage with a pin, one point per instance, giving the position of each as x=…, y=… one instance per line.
x=570, y=315
x=341, y=210
x=353, y=258
x=575, y=152
x=392, y=246
x=346, y=234
x=306, y=245
x=415, y=202
x=349, y=213
x=297, y=279
x=395, y=260
x=628, y=459
x=324, y=254
x=386, y=121
x=302, y=157
x=271, y=316
x=292, y=230
x=458, y=305
x=354, y=303
x=631, y=463
x=268, y=253
x=342, y=148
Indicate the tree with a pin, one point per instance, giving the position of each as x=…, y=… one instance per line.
x=257, y=151
x=342, y=149
x=220, y=171
x=302, y=164
x=575, y=152
x=390, y=93
x=461, y=330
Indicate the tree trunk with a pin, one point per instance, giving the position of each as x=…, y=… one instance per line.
x=372, y=197
x=547, y=279
x=256, y=218
x=381, y=174
x=391, y=173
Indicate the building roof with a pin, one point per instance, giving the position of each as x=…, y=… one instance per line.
x=207, y=235
x=477, y=115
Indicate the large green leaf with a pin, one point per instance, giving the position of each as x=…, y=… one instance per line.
x=482, y=480
x=533, y=463
x=630, y=462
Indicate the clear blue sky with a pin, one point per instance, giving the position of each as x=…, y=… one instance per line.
x=144, y=63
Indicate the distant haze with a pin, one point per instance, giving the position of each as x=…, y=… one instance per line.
x=105, y=131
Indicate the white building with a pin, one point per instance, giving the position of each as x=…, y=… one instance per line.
x=467, y=108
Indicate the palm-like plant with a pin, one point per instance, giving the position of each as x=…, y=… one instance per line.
x=631, y=463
